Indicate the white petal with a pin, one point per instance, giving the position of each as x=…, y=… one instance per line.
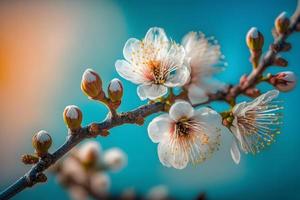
x=156, y=36
x=235, y=153
x=131, y=45
x=268, y=96
x=238, y=132
x=171, y=156
x=188, y=41
x=127, y=71
x=180, y=159
x=164, y=153
x=181, y=109
x=176, y=53
x=158, y=127
x=180, y=77
x=196, y=94
x=209, y=116
x=238, y=108
x=152, y=91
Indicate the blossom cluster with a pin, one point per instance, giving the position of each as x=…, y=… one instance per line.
x=84, y=172
x=186, y=134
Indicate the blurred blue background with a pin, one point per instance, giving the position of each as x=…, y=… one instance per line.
x=99, y=29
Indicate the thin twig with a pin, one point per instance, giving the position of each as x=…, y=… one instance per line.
x=231, y=92
x=32, y=176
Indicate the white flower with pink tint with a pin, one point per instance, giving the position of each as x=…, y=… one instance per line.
x=202, y=56
x=284, y=81
x=154, y=63
x=185, y=135
x=255, y=124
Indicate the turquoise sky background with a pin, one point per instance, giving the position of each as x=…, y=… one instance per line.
x=101, y=30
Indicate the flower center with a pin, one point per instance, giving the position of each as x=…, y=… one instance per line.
x=157, y=71
x=182, y=127
x=249, y=122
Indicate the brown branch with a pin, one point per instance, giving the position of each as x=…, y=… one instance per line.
x=232, y=91
x=35, y=174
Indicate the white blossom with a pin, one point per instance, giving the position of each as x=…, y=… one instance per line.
x=115, y=158
x=100, y=183
x=159, y=192
x=202, y=56
x=185, y=135
x=153, y=63
x=255, y=124
x=89, y=152
x=78, y=193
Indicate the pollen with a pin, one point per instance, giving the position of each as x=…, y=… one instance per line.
x=157, y=72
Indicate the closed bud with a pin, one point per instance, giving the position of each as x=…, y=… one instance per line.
x=115, y=90
x=284, y=81
x=281, y=62
x=41, y=141
x=282, y=23
x=91, y=84
x=115, y=159
x=89, y=153
x=254, y=39
x=72, y=117
x=28, y=159
x=252, y=92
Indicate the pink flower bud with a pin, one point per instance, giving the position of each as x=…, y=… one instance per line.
x=284, y=81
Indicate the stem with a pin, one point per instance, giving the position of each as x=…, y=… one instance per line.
x=30, y=178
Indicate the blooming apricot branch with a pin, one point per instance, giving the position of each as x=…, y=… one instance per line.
x=183, y=132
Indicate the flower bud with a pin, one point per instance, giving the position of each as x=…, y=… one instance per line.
x=281, y=62
x=115, y=159
x=89, y=153
x=100, y=183
x=91, y=84
x=254, y=39
x=282, y=23
x=28, y=159
x=41, y=141
x=72, y=117
x=115, y=90
x=283, y=81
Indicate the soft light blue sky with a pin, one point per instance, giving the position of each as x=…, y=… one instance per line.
x=104, y=28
